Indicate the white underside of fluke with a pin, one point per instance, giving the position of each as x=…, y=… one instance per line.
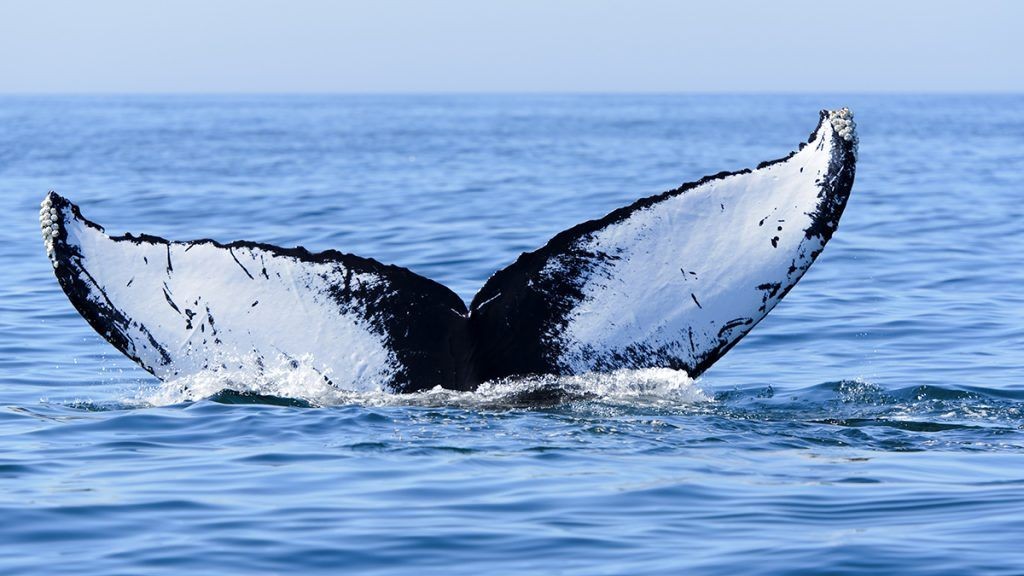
x=698, y=269
x=194, y=307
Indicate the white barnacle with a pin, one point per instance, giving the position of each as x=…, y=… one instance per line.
x=843, y=124
x=49, y=225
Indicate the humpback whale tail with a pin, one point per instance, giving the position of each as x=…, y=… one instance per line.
x=673, y=280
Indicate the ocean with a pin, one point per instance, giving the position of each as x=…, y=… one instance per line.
x=873, y=423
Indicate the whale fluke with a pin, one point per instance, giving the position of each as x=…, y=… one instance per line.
x=673, y=280
x=178, y=308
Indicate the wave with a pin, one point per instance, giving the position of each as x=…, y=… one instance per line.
x=658, y=409
x=841, y=412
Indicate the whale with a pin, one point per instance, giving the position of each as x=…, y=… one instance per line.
x=673, y=280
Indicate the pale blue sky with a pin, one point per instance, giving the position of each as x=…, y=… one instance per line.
x=509, y=46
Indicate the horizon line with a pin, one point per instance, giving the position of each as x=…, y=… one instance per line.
x=1009, y=92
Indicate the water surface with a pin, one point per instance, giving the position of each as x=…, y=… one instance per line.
x=872, y=423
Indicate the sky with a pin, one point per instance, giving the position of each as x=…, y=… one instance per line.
x=373, y=46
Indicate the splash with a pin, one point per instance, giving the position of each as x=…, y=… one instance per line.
x=296, y=382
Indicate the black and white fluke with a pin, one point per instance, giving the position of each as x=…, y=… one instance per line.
x=673, y=280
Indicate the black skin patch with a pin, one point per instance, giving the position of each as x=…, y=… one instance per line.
x=436, y=340
x=769, y=289
x=734, y=323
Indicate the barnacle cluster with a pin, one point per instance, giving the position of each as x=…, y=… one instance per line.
x=843, y=124
x=49, y=222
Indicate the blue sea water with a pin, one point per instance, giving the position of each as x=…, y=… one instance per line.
x=873, y=423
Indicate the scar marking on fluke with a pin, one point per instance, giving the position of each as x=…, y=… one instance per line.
x=167, y=296
x=244, y=269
